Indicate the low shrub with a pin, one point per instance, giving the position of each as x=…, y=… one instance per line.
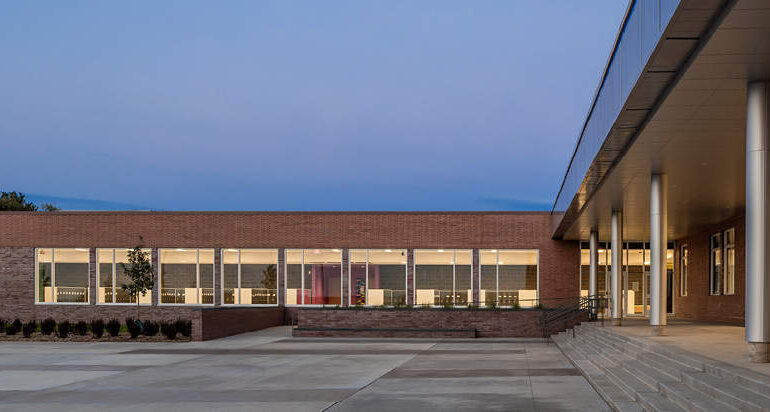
x=2, y=325
x=97, y=328
x=47, y=326
x=17, y=324
x=134, y=328
x=29, y=328
x=151, y=328
x=113, y=327
x=81, y=328
x=184, y=327
x=169, y=330
x=11, y=329
x=64, y=329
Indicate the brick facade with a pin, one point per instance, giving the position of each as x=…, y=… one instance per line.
x=699, y=304
x=24, y=231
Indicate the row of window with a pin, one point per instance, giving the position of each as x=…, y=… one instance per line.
x=377, y=277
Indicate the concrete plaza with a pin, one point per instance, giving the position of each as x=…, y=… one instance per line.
x=269, y=370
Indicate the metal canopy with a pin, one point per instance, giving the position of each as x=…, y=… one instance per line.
x=696, y=137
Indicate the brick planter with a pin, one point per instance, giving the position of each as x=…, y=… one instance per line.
x=432, y=322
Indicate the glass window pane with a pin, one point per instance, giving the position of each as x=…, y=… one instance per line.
x=387, y=277
x=121, y=278
x=517, y=278
x=178, y=276
x=433, y=276
x=71, y=275
x=44, y=275
x=488, y=277
x=294, y=277
x=358, y=277
x=463, y=277
x=229, y=276
x=259, y=277
x=104, y=276
x=206, y=294
x=323, y=276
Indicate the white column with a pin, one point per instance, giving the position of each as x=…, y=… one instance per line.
x=617, y=274
x=593, y=242
x=758, y=222
x=658, y=246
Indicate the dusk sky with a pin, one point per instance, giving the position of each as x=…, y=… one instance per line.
x=297, y=105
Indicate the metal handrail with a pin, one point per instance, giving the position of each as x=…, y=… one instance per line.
x=569, y=308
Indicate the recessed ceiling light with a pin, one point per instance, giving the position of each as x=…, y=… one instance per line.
x=335, y=250
x=441, y=251
x=493, y=250
x=232, y=250
x=181, y=250
x=388, y=250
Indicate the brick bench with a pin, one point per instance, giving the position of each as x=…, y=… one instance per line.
x=383, y=332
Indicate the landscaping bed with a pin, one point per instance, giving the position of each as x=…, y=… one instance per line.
x=97, y=330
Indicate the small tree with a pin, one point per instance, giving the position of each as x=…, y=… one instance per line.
x=15, y=201
x=139, y=270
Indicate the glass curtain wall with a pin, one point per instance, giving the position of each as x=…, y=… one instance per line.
x=378, y=277
x=186, y=276
x=508, y=277
x=313, y=276
x=443, y=277
x=249, y=276
x=62, y=275
x=112, y=276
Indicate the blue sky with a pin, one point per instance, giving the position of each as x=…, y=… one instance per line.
x=297, y=105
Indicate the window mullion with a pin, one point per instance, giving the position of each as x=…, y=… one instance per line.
x=238, y=301
x=114, y=276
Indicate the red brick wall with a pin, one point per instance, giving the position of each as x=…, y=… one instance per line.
x=219, y=322
x=487, y=323
x=559, y=260
x=698, y=304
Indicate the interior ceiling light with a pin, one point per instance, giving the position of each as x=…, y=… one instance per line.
x=335, y=250
x=493, y=250
x=181, y=250
x=388, y=251
x=441, y=251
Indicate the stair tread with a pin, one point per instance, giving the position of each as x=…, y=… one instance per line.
x=629, y=381
x=683, y=393
x=733, y=391
x=652, y=373
x=657, y=402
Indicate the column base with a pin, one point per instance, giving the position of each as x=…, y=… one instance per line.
x=658, y=330
x=617, y=322
x=759, y=352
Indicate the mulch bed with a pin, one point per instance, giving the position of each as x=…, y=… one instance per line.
x=123, y=337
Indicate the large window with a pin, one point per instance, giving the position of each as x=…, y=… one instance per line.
x=378, y=277
x=683, y=263
x=443, y=277
x=249, y=276
x=112, y=276
x=62, y=275
x=313, y=276
x=729, y=282
x=508, y=277
x=715, y=282
x=187, y=276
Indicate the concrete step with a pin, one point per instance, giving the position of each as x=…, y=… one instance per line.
x=691, y=399
x=654, y=401
x=648, y=374
x=753, y=381
x=666, y=365
x=727, y=392
x=628, y=381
